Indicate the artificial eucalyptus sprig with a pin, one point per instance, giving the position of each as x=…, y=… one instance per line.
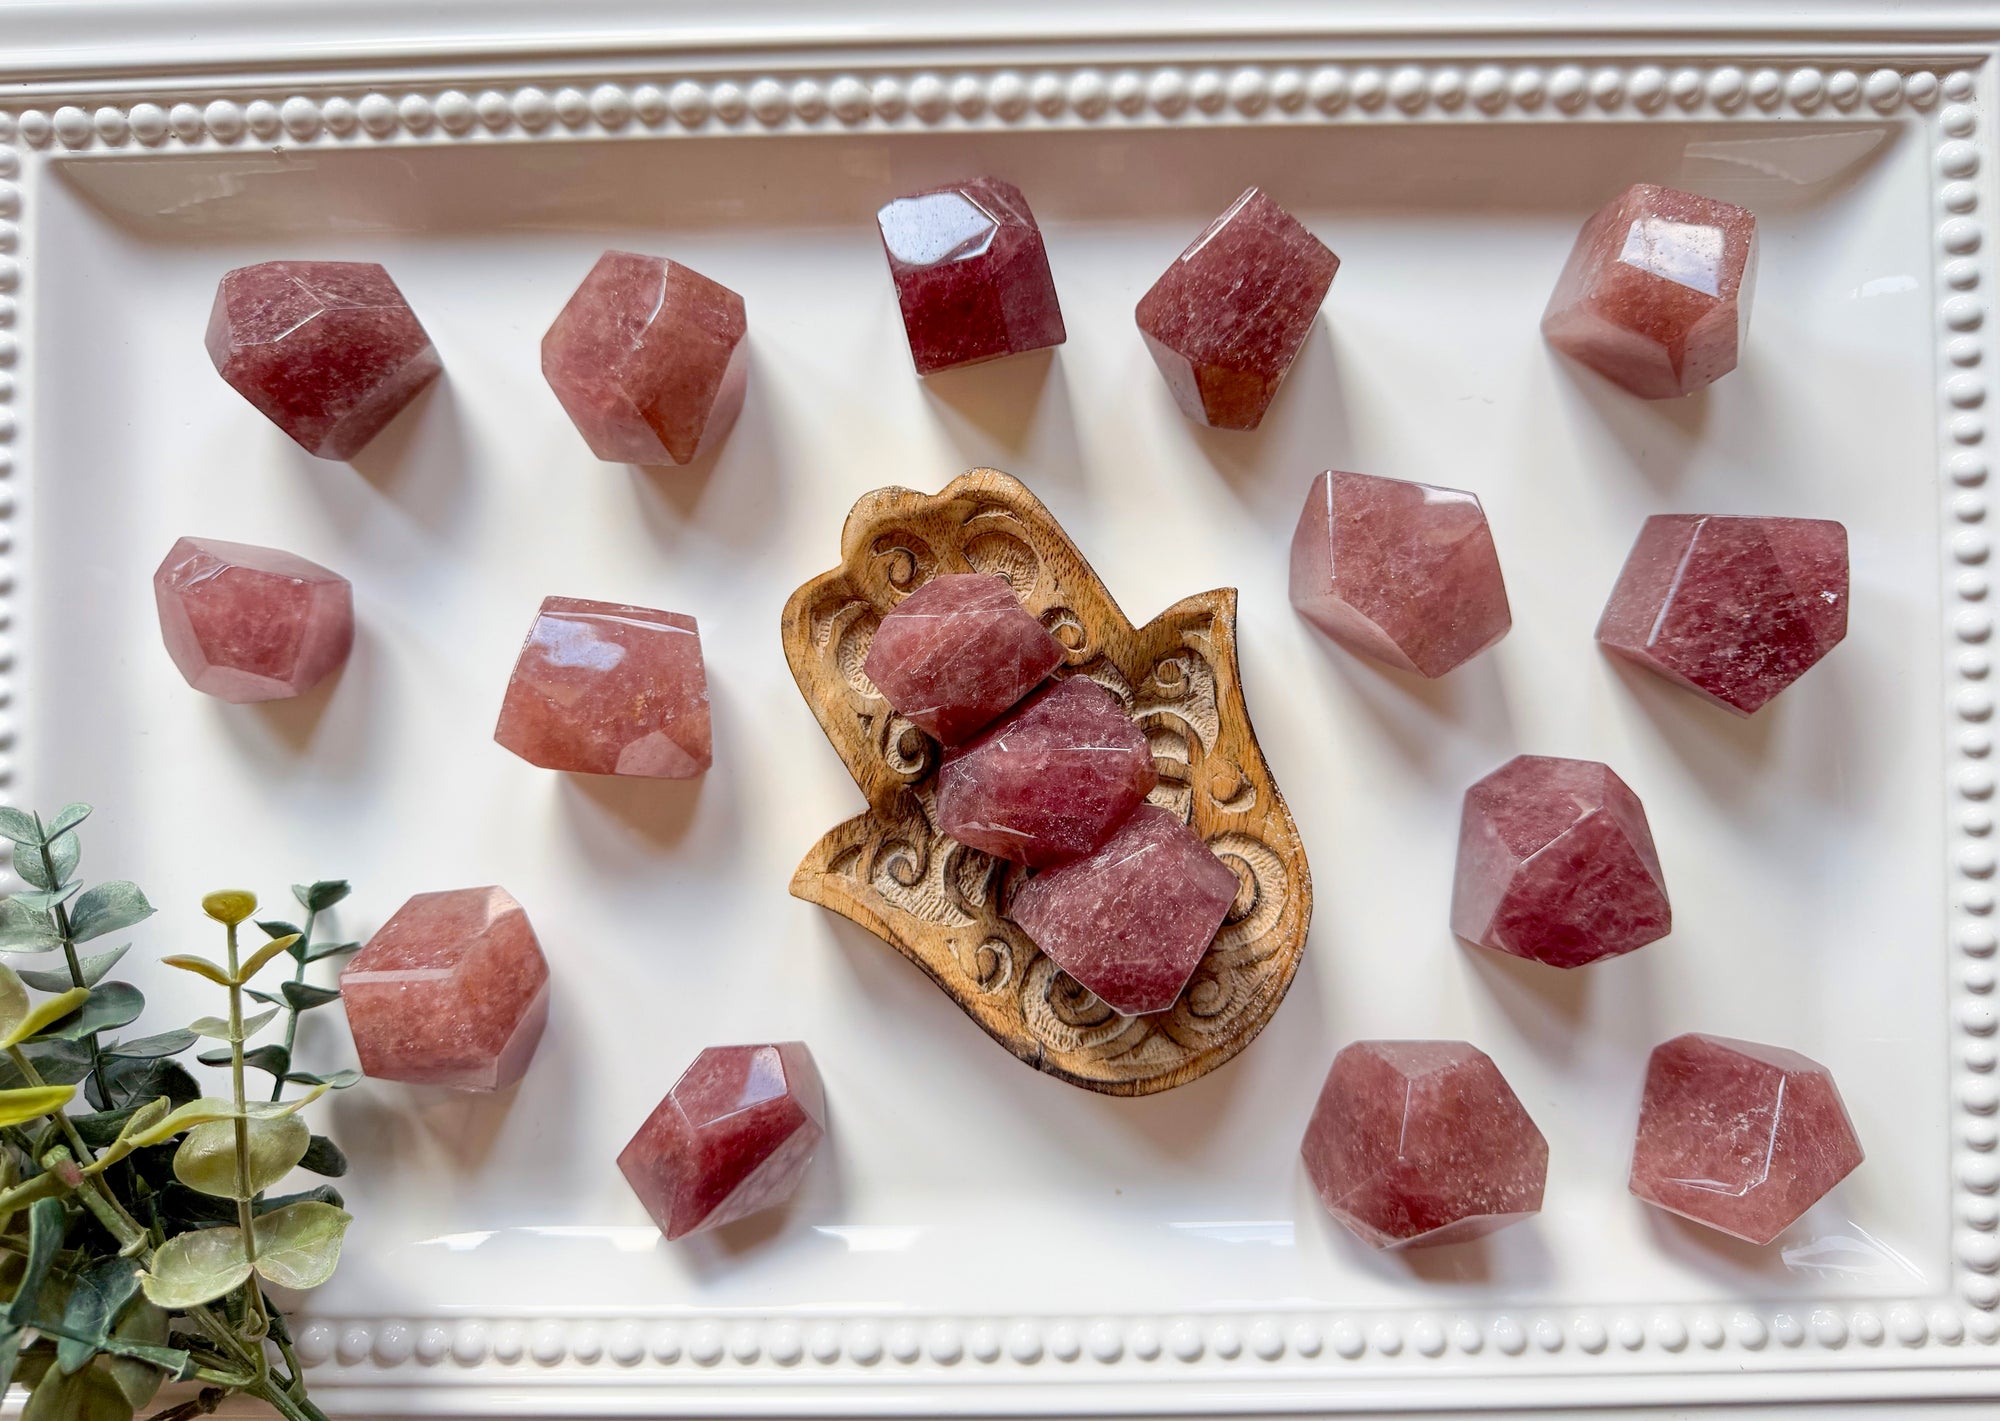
x=137, y=1236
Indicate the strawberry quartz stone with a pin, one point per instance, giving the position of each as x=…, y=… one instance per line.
x=1405, y=573
x=1741, y=1137
x=329, y=351
x=1556, y=864
x=452, y=991
x=1227, y=319
x=601, y=688
x=958, y=652
x=733, y=1136
x=649, y=360
x=1131, y=921
x=1051, y=780
x=1414, y=1143
x=1734, y=609
x=245, y=623
x=1656, y=293
x=971, y=273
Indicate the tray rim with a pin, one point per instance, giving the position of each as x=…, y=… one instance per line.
x=773, y=1362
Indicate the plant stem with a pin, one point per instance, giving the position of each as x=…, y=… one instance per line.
x=302, y=947
x=256, y=1322
x=96, y=1196
x=61, y=914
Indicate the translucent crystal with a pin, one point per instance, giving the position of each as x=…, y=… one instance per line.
x=245, y=623
x=957, y=652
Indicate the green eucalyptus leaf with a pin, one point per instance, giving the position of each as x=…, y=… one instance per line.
x=273, y=1059
x=194, y=1268
x=25, y=929
x=140, y=1118
x=109, y=1006
x=323, y=1157
x=303, y=996
x=66, y=818
x=145, y=1331
x=183, y=1209
x=46, y=1222
x=56, y=1062
x=265, y=997
x=332, y=1080
x=40, y=902
x=166, y=1043
x=298, y=1246
x=277, y=927
x=219, y=1029
x=107, y=907
x=206, y=1160
x=318, y=897
x=42, y=1015
x=28, y=864
x=329, y=949
x=185, y=1117
x=96, y=1297
x=22, y=827
x=88, y=1395
x=200, y=966
x=65, y=851
x=132, y=1080
x=93, y=969
x=318, y=1194
x=10, y=1355
x=262, y=956
x=19, y=1106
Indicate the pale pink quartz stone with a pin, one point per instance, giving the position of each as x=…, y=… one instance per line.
x=245, y=623
x=957, y=652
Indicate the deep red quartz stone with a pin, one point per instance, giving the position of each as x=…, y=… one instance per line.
x=1741, y=1137
x=1403, y=572
x=601, y=688
x=1049, y=781
x=329, y=351
x=1227, y=319
x=452, y=991
x=733, y=1136
x=245, y=623
x=957, y=652
x=1556, y=864
x=1422, y=1142
x=1656, y=293
x=648, y=359
x=1131, y=921
x=1734, y=609
x=972, y=276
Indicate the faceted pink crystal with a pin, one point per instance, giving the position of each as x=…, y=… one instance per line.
x=1738, y=1136
x=733, y=1136
x=1227, y=319
x=1050, y=780
x=1422, y=1142
x=1403, y=572
x=648, y=359
x=1556, y=864
x=601, y=688
x=1131, y=921
x=957, y=652
x=245, y=623
x=1734, y=609
x=1656, y=293
x=329, y=351
x=452, y=991
x=971, y=274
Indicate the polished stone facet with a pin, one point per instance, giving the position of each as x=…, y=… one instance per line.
x=648, y=359
x=1556, y=864
x=605, y=689
x=329, y=351
x=1734, y=609
x=1131, y=921
x=451, y=991
x=733, y=1136
x=1656, y=293
x=1049, y=781
x=972, y=276
x=1741, y=1137
x=245, y=623
x=1227, y=319
x=1422, y=1142
x=1403, y=572
x=957, y=652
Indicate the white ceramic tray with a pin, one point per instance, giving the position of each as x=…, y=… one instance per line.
x=978, y=1237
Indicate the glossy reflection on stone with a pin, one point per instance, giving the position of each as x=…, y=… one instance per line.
x=733, y=1136
x=1741, y=1137
x=1733, y=609
x=245, y=623
x=1422, y=1142
x=1227, y=319
x=1656, y=293
x=1051, y=780
x=971, y=273
x=1556, y=864
x=1403, y=572
x=602, y=688
x=451, y=991
x=1131, y=921
x=649, y=360
x=329, y=351
x=957, y=652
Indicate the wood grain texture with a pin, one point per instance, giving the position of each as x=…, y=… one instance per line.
x=943, y=905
